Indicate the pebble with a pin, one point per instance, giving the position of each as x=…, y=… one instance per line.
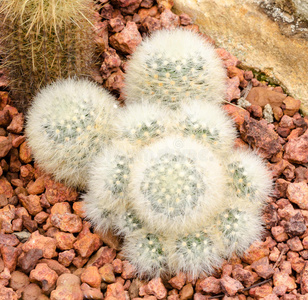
x=9, y=255
x=115, y=291
x=210, y=285
x=282, y=278
x=45, y=276
x=28, y=260
x=230, y=286
x=297, y=192
x=66, y=257
x=86, y=245
x=169, y=20
x=31, y=203
x=187, y=292
x=107, y=273
x=178, y=281
x=129, y=271
x=296, y=149
x=91, y=276
x=263, y=268
x=8, y=294
x=68, y=287
x=67, y=222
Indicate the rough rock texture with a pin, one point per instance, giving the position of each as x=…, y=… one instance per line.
x=262, y=38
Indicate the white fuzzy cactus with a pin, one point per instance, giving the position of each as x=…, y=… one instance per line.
x=127, y=222
x=248, y=177
x=238, y=225
x=207, y=123
x=175, y=183
x=194, y=253
x=146, y=252
x=171, y=67
x=67, y=125
x=141, y=123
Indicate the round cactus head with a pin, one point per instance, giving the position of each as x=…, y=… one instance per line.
x=207, y=123
x=67, y=125
x=127, y=222
x=141, y=123
x=194, y=253
x=248, y=177
x=172, y=66
x=238, y=226
x=145, y=251
x=175, y=183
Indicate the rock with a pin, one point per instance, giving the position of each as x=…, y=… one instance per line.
x=86, y=245
x=91, y=276
x=150, y=24
x=233, y=91
x=117, y=265
x=210, y=285
x=17, y=124
x=102, y=256
x=238, y=114
x=54, y=265
x=245, y=276
x=230, y=286
x=107, y=273
x=227, y=58
x=18, y=280
x=101, y=36
x=31, y=203
x=116, y=24
x=281, y=278
x=5, y=118
x=127, y=40
x=91, y=293
x=110, y=239
x=155, y=287
x=279, y=233
x=296, y=150
x=115, y=291
x=8, y=294
x=111, y=62
x=187, y=292
x=5, y=187
x=263, y=268
x=32, y=292
x=256, y=251
x=5, y=276
x=68, y=287
x=8, y=239
x=9, y=255
x=58, y=192
x=25, y=153
x=291, y=106
x=115, y=82
x=129, y=271
x=64, y=240
x=5, y=145
x=41, y=217
x=298, y=193
x=45, y=276
x=261, y=137
x=27, y=261
x=295, y=244
x=169, y=20
x=185, y=20
x=261, y=292
x=29, y=224
x=46, y=244
x=7, y=214
x=296, y=225
x=36, y=187
x=304, y=280
x=67, y=222
x=178, y=281
x=241, y=36
x=66, y=257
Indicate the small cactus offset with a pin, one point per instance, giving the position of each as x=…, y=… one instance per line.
x=67, y=125
x=45, y=40
x=172, y=67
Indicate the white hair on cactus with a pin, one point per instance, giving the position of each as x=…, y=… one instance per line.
x=141, y=123
x=208, y=123
x=109, y=176
x=175, y=183
x=194, y=253
x=238, y=224
x=146, y=252
x=248, y=176
x=174, y=65
x=67, y=125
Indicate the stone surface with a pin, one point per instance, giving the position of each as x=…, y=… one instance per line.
x=68, y=287
x=261, y=41
x=46, y=276
x=298, y=193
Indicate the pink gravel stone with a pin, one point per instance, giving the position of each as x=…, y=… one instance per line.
x=178, y=281
x=46, y=276
x=230, y=286
x=298, y=193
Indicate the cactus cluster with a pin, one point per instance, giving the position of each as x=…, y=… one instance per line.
x=44, y=40
x=162, y=172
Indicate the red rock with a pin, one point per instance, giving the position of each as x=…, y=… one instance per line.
x=116, y=24
x=27, y=261
x=101, y=34
x=46, y=244
x=7, y=214
x=58, y=192
x=185, y=20
x=5, y=146
x=115, y=82
x=25, y=153
x=281, y=278
x=67, y=222
x=296, y=150
x=187, y=292
x=298, y=193
x=18, y=280
x=5, y=118
x=279, y=233
x=106, y=11
x=210, y=285
x=155, y=287
x=5, y=276
x=304, y=280
x=256, y=111
x=238, y=114
x=245, y=276
x=169, y=20
x=230, y=286
x=261, y=291
x=66, y=257
x=91, y=276
x=86, y=245
x=111, y=62
x=150, y=24
x=117, y=265
x=131, y=9
x=129, y=271
x=297, y=264
x=29, y=224
x=262, y=96
x=17, y=124
x=9, y=255
x=147, y=3
x=280, y=290
x=91, y=293
x=31, y=203
x=17, y=140
x=68, y=287
x=295, y=244
x=33, y=291
x=107, y=273
x=60, y=208
x=127, y=40
x=41, y=217
x=228, y=59
x=255, y=252
x=54, y=265
x=64, y=240
x=296, y=225
x=263, y=268
x=291, y=106
x=36, y=187
x=233, y=91
x=301, y=174
x=115, y=291
x=8, y=239
x=270, y=215
x=8, y=294
x=79, y=261
x=261, y=137
x=46, y=276
x=178, y=281
x=5, y=188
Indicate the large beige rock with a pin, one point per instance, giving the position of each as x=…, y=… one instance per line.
x=267, y=35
